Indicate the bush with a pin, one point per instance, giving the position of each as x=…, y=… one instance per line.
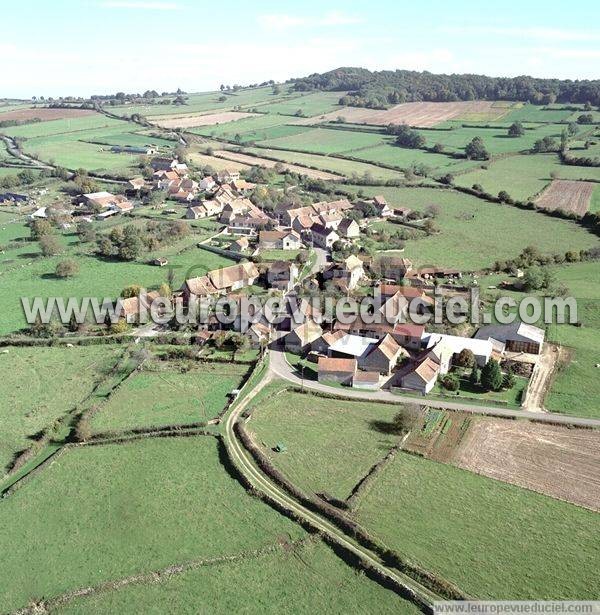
x=67, y=268
x=451, y=382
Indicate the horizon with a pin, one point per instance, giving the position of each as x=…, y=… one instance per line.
x=131, y=49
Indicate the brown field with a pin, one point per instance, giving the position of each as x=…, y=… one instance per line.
x=572, y=196
x=45, y=114
x=557, y=461
x=218, y=164
x=210, y=119
x=421, y=114
x=269, y=164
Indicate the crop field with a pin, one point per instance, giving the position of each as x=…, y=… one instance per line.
x=465, y=241
x=341, y=166
x=423, y=114
x=218, y=164
x=167, y=396
x=571, y=196
x=327, y=141
x=101, y=513
x=560, y=462
x=276, y=582
x=331, y=445
x=40, y=385
x=494, y=540
x=269, y=164
x=536, y=113
x=209, y=119
x=44, y=114
x=524, y=176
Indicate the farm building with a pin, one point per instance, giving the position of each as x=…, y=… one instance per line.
x=324, y=343
x=517, y=336
x=366, y=380
x=104, y=200
x=13, y=197
x=352, y=346
x=442, y=349
x=409, y=335
x=383, y=358
x=336, y=370
x=394, y=268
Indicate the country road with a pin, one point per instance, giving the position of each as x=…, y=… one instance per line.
x=281, y=368
x=262, y=483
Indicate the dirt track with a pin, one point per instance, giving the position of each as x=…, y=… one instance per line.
x=557, y=461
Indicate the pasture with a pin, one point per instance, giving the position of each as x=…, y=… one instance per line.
x=492, y=539
x=465, y=240
x=276, y=582
x=331, y=444
x=40, y=385
x=100, y=513
x=162, y=395
x=306, y=105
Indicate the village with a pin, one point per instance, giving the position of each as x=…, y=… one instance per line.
x=392, y=352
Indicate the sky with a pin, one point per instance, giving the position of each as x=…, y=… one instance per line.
x=83, y=47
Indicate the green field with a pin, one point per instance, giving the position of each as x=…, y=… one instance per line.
x=576, y=389
x=330, y=444
x=97, y=277
x=524, y=176
x=493, y=540
x=167, y=396
x=315, y=104
x=536, y=113
x=327, y=141
x=475, y=233
x=42, y=384
x=105, y=512
x=256, y=125
x=307, y=580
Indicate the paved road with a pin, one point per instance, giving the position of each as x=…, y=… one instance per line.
x=245, y=464
x=280, y=367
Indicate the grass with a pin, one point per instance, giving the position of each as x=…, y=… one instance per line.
x=314, y=104
x=466, y=240
x=524, y=176
x=274, y=583
x=105, y=512
x=507, y=398
x=40, y=385
x=492, y=539
x=535, y=113
x=279, y=255
x=327, y=141
x=169, y=396
x=595, y=201
x=331, y=444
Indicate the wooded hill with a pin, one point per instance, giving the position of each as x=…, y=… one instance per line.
x=382, y=89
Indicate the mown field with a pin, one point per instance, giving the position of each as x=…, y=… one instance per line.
x=466, y=239
x=303, y=580
x=524, y=176
x=105, y=512
x=313, y=104
x=42, y=384
x=330, y=444
x=492, y=539
x=169, y=396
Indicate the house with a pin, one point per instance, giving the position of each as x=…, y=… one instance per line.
x=241, y=186
x=279, y=240
x=336, y=370
x=348, y=229
x=366, y=380
x=196, y=213
x=417, y=298
x=259, y=334
x=248, y=225
x=322, y=344
x=234, y=277
x=169, y=164
x=227, y=176
x=207, y=183
x=354, y=346
x=330, y=219
x=123, y=207
x=442, y=349
x=409, y=335
x=136, y=184
x=394, y=268
x=301, y=224
x=238, y=207
x=517, y=336
x=383, y=209
x=340, y=205
x=282, y=275
x=13, y=197
x=161, y=261
x=299, y=339
x=131, y=307
x=422, y=377
x=402, y=212
x=323, y=237
x=350, y=270
x=198, y=287
x=239, y=245
x=384, y=356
